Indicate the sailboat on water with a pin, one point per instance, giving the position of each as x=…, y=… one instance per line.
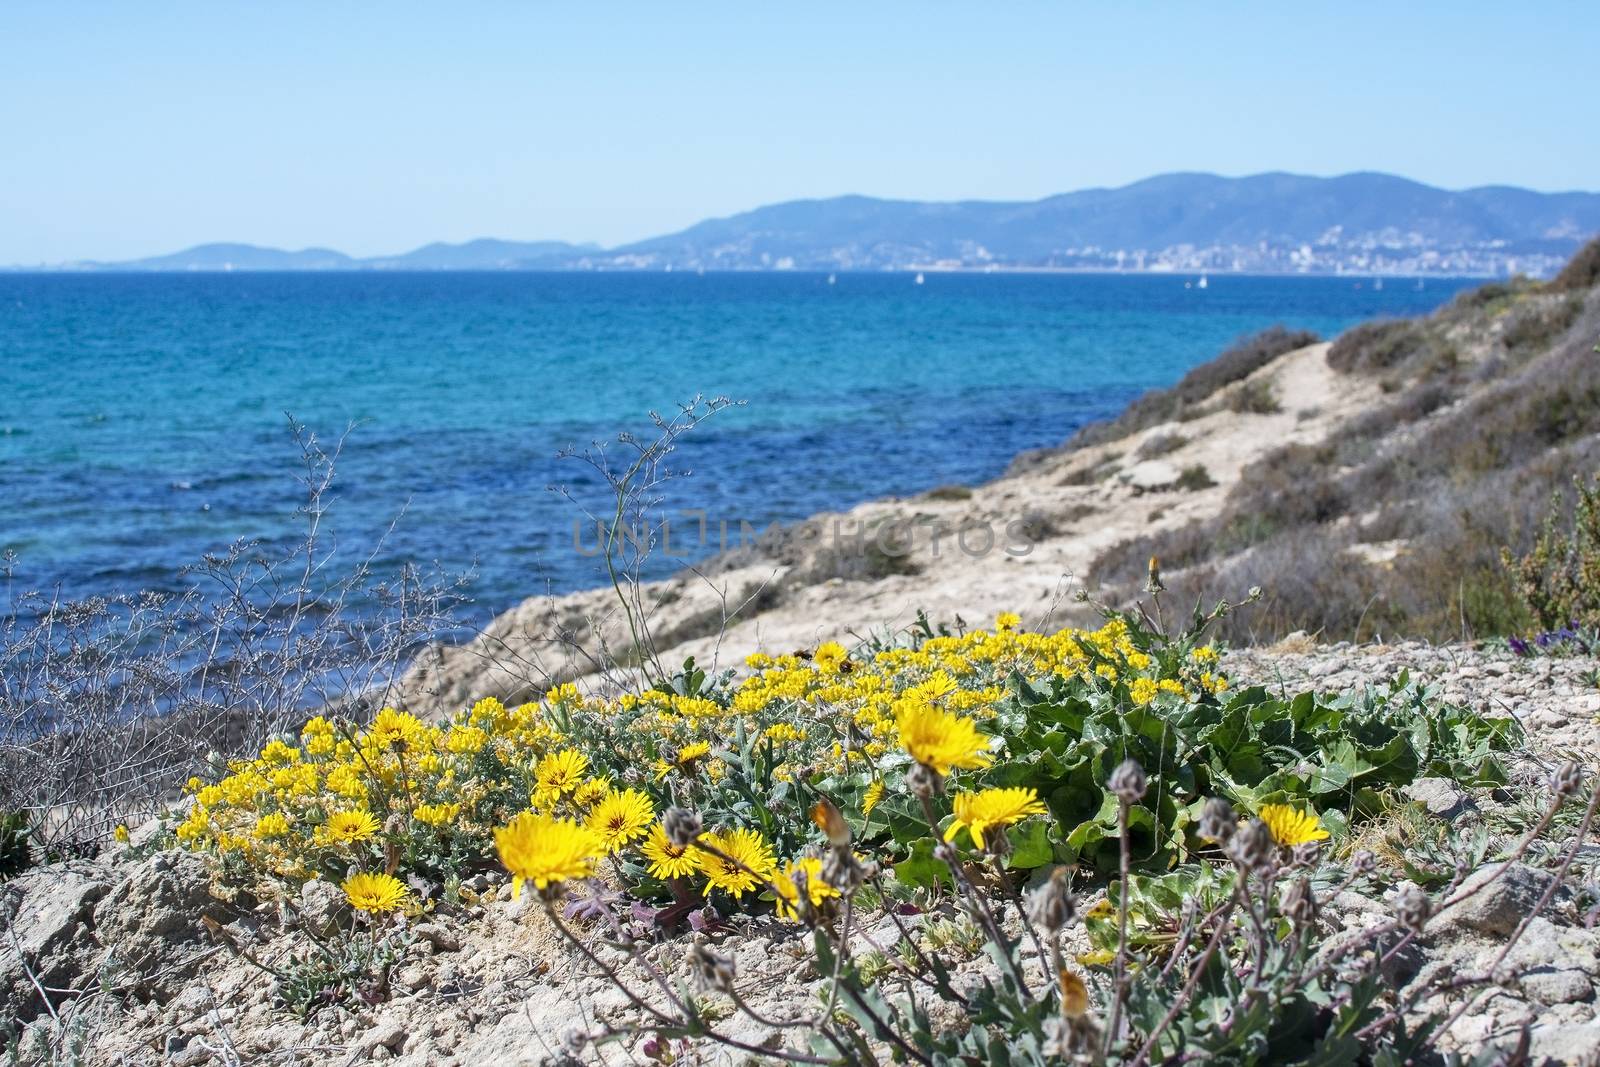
x=1202, y=283
x=920, y=278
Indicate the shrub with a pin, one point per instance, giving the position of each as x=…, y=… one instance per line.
x=1160, y=444
x=949, y=492
x=1036, y=525
x=1581, y=273
x=1534, y=326
x=1256, y=397
x=1559, y=579
x=1194, y=478
x=15, y=835
x=1001, y=709
x=1376, y=346
x=1240, y=360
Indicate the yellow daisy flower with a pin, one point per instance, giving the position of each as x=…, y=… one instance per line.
x=562, y=772
x=374, y=893
x=940, y=740
x=620, y=817
x=829, y=657
x=668, y=860
x=873, y=795
x=546, y=851
x=788, y=890
x=345, y=827
x=992, y=807
x=746, y=861
x=1291, y=826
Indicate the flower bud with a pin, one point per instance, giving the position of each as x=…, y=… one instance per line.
x=924, y=781
x=1153, y=582
x=1363, y=863
x=1217, y=821
x=681, y=826
x=1299, y=902
x=1566, y=780
x=1127, y=783
x=844, y=872
x=1050, y=905
x=1412, y=908
x=1251, y=846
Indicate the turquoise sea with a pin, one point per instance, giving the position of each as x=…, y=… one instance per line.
x=143, y=418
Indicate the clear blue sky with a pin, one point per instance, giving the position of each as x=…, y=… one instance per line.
x=129, y=129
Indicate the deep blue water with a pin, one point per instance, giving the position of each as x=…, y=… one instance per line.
x=142, y=417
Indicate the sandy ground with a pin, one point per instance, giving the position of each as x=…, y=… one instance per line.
x=970, y=552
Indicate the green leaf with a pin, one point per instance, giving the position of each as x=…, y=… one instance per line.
x=1030, y=845
x=920, y=869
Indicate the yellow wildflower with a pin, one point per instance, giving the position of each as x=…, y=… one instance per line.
x=591, y=791
x=992, y=807
x=620, y=817
x=829, y=657
x=121, y=834
x=374, y=893
x=396, y=731
x=464, y=740
x=872, y=796
x=787, y=887
x=562, y=772
x=685, y=757
x=745, y=861
x=1143, y=691
x=1291, y=826
x=668, y=860
x=269, y=826
x=436, y=815
x=546, y=851
x=940, y=740
x=347, y=826
x=279, y=753
x=782, y=731
x=1007, y=621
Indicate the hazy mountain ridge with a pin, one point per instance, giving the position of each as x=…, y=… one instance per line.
x=1268, y=223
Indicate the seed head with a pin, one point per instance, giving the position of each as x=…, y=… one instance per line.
x=1217, y=821
x=842, y=870
x=712, y=971
x=1566, y=780
x=1305, y=854
x=1050, y=905
x=1412, y=908
x=924, y=781
x=1127, y=783
x=1299, y=902
x=681, y=826
x=1251, y=846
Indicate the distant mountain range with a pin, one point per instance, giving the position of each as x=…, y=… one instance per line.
x=1268, y=223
